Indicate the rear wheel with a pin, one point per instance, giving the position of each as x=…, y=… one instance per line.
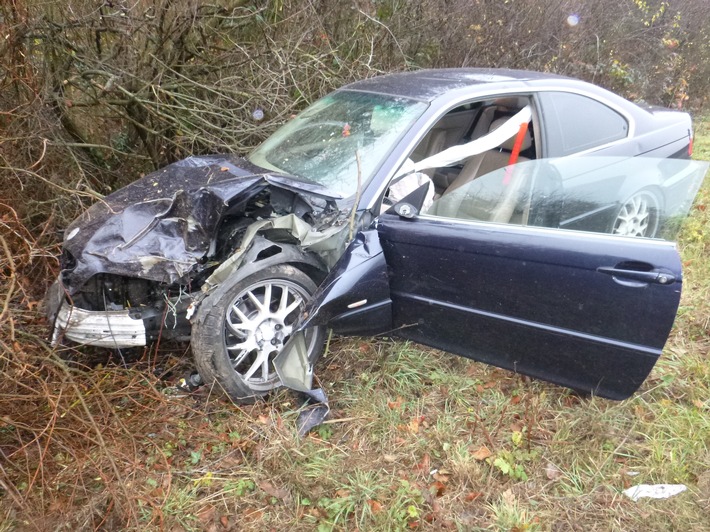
x=639, y=215
x=242, y=326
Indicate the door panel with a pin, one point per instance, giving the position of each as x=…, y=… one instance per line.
x=532, y=299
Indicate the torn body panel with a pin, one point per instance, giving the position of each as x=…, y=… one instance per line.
x=163, y=227
x=159, y=227
x=153, y=250
x=354, y=299
x=109, y=329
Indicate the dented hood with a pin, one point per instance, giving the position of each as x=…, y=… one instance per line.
x=161, y=226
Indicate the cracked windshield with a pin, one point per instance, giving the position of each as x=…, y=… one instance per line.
x=320, y=144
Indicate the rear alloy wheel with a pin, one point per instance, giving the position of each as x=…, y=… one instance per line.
x=638, y=216
x=244, y=324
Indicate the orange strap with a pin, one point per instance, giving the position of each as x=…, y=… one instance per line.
x=519, y=138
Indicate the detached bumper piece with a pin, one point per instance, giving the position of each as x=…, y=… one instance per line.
x=112, y=329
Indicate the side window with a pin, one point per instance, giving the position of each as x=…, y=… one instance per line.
x=574, y=123
x=462, y=145
x=637, y=196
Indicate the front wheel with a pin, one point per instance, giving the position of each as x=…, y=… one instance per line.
x=639, y=215
x=242, y=326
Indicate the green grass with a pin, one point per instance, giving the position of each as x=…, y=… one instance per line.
x=418, y=439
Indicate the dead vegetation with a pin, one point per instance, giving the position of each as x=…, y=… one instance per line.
x=95, y=93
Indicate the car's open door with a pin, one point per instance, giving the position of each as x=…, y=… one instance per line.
x=533, y=268
x=491, y=272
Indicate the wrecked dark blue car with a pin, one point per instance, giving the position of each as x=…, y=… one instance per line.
x=524, y=220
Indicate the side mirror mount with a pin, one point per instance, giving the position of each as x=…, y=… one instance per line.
x=406, y=210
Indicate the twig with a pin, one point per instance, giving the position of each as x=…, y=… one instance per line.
x=11, y=285
x=44, y=150
x=404, y=56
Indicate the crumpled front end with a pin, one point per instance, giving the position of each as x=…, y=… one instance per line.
x=116, y=327
x=136, y=264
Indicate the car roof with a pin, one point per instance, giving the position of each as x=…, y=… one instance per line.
x=430, y=84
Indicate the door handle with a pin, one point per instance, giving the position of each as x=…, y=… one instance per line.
x=641, y=276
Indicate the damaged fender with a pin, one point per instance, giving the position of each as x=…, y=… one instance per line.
x=354, y=299
x=323, y=244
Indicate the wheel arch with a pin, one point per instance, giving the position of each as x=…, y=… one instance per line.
x=263, y=253
x=209, y=344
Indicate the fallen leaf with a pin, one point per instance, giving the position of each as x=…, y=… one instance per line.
x=473, y=495
x=374, y=505
x=343, y=493
x=437, y=488
x=508, y=497
x=414, y=424
x=280, y=493
x=482, y=453
x=252, y=514
x=442, y=475
x=390, y=458
x=425, y=465
x=516, y=427
x=158, y=492
x=396, y=404
x=642, y=413
x=571, y=400
x=553, y=472
x=515, y=399
x=206, y=514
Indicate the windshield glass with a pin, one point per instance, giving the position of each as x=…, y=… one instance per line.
x=320, y=144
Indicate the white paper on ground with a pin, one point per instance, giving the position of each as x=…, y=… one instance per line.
x=654, y=491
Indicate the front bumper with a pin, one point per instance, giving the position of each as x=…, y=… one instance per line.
x=112, y=329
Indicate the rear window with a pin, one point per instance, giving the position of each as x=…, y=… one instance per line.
x=575, y=123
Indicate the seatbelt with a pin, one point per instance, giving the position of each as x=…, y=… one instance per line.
x=520, y=137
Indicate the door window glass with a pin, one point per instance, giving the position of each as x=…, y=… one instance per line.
x=639, y=196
